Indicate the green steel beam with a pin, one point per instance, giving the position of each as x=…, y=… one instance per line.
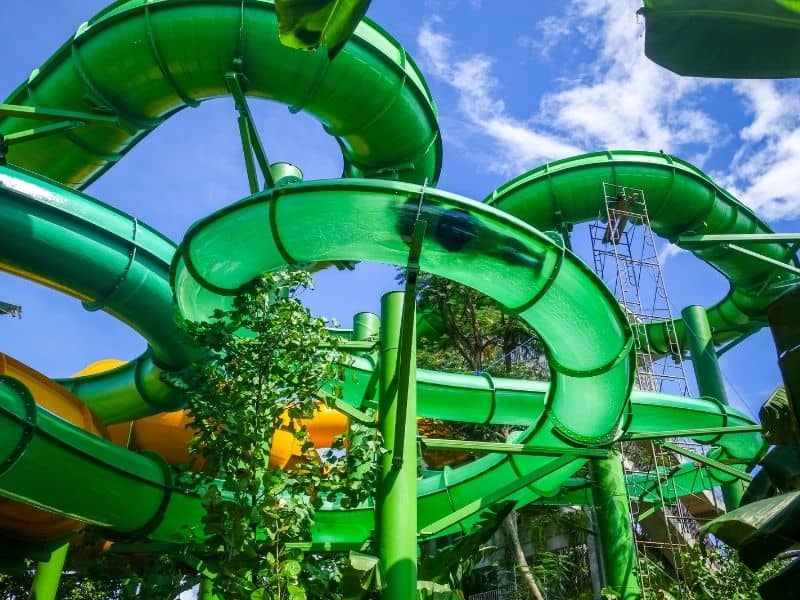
x=406, y=353
x=503, y=448
x=709, y=462
x=709, y=382
x=738, y=238
x=27, y=135
x=357, y=346
x=649, y=512
x=247, y=151
x=234, y=83
x=762, y=258
x=697, y=432
x=352, y=412
x=614, y=531
x=502, y=493
x=53, y=114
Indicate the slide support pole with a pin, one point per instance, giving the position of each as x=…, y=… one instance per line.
x=365, y=326
x=396, y=500
x=709, y=378
x=206, y=591
x=48, y=575
x=614, y=530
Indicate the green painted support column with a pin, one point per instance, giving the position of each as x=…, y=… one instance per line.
x=614, y=529
x=396, y=501
x=206, y=591
x=709, y=378
x=48, y=575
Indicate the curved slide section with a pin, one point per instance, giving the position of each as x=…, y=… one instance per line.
x=488, y=400
x=23, y=520
x=439, y=495
x=681, y=200
x=583, y=327
x=140, y=61
x=108, y=260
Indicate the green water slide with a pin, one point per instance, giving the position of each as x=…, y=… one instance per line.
x=372, y=98
x=133, y=493
x=72, y=223
x=580, y=322
x=138, y=62
x=724, y=38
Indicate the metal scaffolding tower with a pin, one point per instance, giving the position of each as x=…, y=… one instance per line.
x=664, y=518
x=626, y=258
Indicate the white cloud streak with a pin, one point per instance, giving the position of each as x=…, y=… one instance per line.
x=517, y=143
x=624, y=100
x=764, y=169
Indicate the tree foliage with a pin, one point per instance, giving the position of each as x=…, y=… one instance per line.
x=265, y=363
x=109, y=577
x=472, y=334
x=710, y=572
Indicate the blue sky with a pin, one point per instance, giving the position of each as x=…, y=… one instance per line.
x=516, y=83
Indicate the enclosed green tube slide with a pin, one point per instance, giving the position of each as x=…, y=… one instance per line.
x=130, y=493
x=73, y=243
x=478, y=399
x=139, y=61
x=457, y=397
x=582, y=325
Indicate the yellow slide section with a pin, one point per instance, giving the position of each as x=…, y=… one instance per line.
x=169, y=434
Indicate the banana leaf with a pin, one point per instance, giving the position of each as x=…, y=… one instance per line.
x=787, y=578
x=777, y=419
x=428, y=590
x=724, y=38
x=760, y=530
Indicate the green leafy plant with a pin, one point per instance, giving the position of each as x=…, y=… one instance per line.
x=266, y=360
x=709, y=572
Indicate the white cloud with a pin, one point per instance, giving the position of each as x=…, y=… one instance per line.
x=667, y=252
x=622, y=99
x=549, y=32
x=763, y=172
x=517, y=144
